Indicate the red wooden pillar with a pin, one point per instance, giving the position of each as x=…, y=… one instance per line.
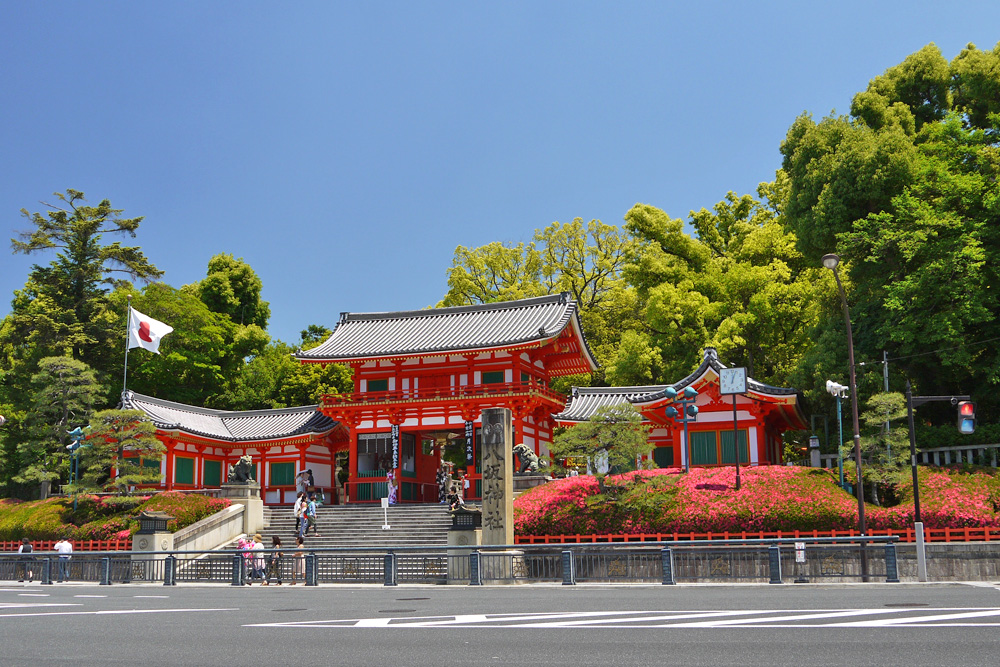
x=170, y=443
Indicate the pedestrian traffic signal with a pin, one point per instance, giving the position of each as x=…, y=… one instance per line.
x=966, y=417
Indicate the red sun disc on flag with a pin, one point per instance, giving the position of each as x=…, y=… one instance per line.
x=144, y=332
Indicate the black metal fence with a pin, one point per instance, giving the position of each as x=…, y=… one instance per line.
x=768, y=561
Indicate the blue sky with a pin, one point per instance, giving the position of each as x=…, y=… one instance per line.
x=345, y=149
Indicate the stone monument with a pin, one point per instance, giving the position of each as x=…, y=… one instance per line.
x=241, y=489
x=498, y=474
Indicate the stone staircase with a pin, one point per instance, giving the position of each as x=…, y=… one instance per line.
x=360, y=526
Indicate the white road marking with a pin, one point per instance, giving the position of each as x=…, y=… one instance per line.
x=792, y=617
x=24, y=605
x=923, y=619
x=112, y=612
x=33, y=595
x=917, y=617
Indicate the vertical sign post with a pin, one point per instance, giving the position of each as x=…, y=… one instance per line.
x=470, y=435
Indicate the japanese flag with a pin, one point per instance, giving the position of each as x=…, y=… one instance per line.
x=144, y=331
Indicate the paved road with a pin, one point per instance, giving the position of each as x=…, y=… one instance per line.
x=861, y=624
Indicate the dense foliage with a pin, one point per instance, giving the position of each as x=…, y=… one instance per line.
x=770, y=498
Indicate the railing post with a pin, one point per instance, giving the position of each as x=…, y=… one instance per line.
x=237, y=570
x=891, y=567
x=774, y=563
x=169, y=571
x=106, y=571
x=667, y=559
x=475, y=571
x=390, y=569
x=47, y=571
x=569, y=568
x=312, y=574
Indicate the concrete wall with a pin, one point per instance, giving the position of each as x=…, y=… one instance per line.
x=972, y=561
x=211, y=532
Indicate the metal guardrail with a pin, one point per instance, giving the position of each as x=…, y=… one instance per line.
x=665, y=562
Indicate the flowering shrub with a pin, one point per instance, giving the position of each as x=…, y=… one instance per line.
x=99, y=517
x=186, y=508
x=770, y=498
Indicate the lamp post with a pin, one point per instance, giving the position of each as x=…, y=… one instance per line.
x=687, y=413
x=831, y=261
x=838, y=391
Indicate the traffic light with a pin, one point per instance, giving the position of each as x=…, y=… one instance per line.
x=966, y=417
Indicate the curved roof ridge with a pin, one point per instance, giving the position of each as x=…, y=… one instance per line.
x=230, y=425
x=561, y=297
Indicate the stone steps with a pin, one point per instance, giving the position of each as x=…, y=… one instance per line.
x=360, y=526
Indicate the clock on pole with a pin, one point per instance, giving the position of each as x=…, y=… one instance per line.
x=733, y=381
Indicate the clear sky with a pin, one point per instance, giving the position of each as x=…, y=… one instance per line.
x=344, y=149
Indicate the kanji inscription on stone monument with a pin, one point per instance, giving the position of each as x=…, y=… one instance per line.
x=498, y=477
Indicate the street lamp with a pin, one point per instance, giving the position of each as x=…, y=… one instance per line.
x=687, y=413
x=838, y=391
x=831, y=261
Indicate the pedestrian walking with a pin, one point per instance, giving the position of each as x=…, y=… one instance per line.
x=299, y=509
x=299, y=569
x=65, y=549
x=24, y=560
x=274, y=562
x=257, y=558
x=310, y=514
x=301, y=482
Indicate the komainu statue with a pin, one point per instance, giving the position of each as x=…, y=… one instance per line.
x=241, y=472
x=530, y=463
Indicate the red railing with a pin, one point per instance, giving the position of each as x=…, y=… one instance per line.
x=987, y=534
x=78, y=545
x=445, y=393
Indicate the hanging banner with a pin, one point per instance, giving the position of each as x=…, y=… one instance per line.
x=395, y=446
x=470, y=435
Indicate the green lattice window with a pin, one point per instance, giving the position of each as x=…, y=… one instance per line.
x=378, y=385
x=704, y=448
x=213, y=473
x=493, y=377
x=282, y=474
x=184, y=470
x=728, y=453
x=663, y=457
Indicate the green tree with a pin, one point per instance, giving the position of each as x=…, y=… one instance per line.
x=275, y=379
x=232, y=287
x=492, y=273
x=885, y=453
x=64, y=306
x=906, y=191
x=65, y=392
x=739, y=285
x=614, y=434
x=113, y=434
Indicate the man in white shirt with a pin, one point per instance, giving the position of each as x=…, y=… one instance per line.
x=65, y=549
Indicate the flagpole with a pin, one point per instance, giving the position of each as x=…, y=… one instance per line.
x=128, y=328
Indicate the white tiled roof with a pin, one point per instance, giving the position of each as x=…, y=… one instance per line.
x=227, y=425
x=585, y=401
x=485, y=326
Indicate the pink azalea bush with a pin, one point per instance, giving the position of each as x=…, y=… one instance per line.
x=771, y=498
